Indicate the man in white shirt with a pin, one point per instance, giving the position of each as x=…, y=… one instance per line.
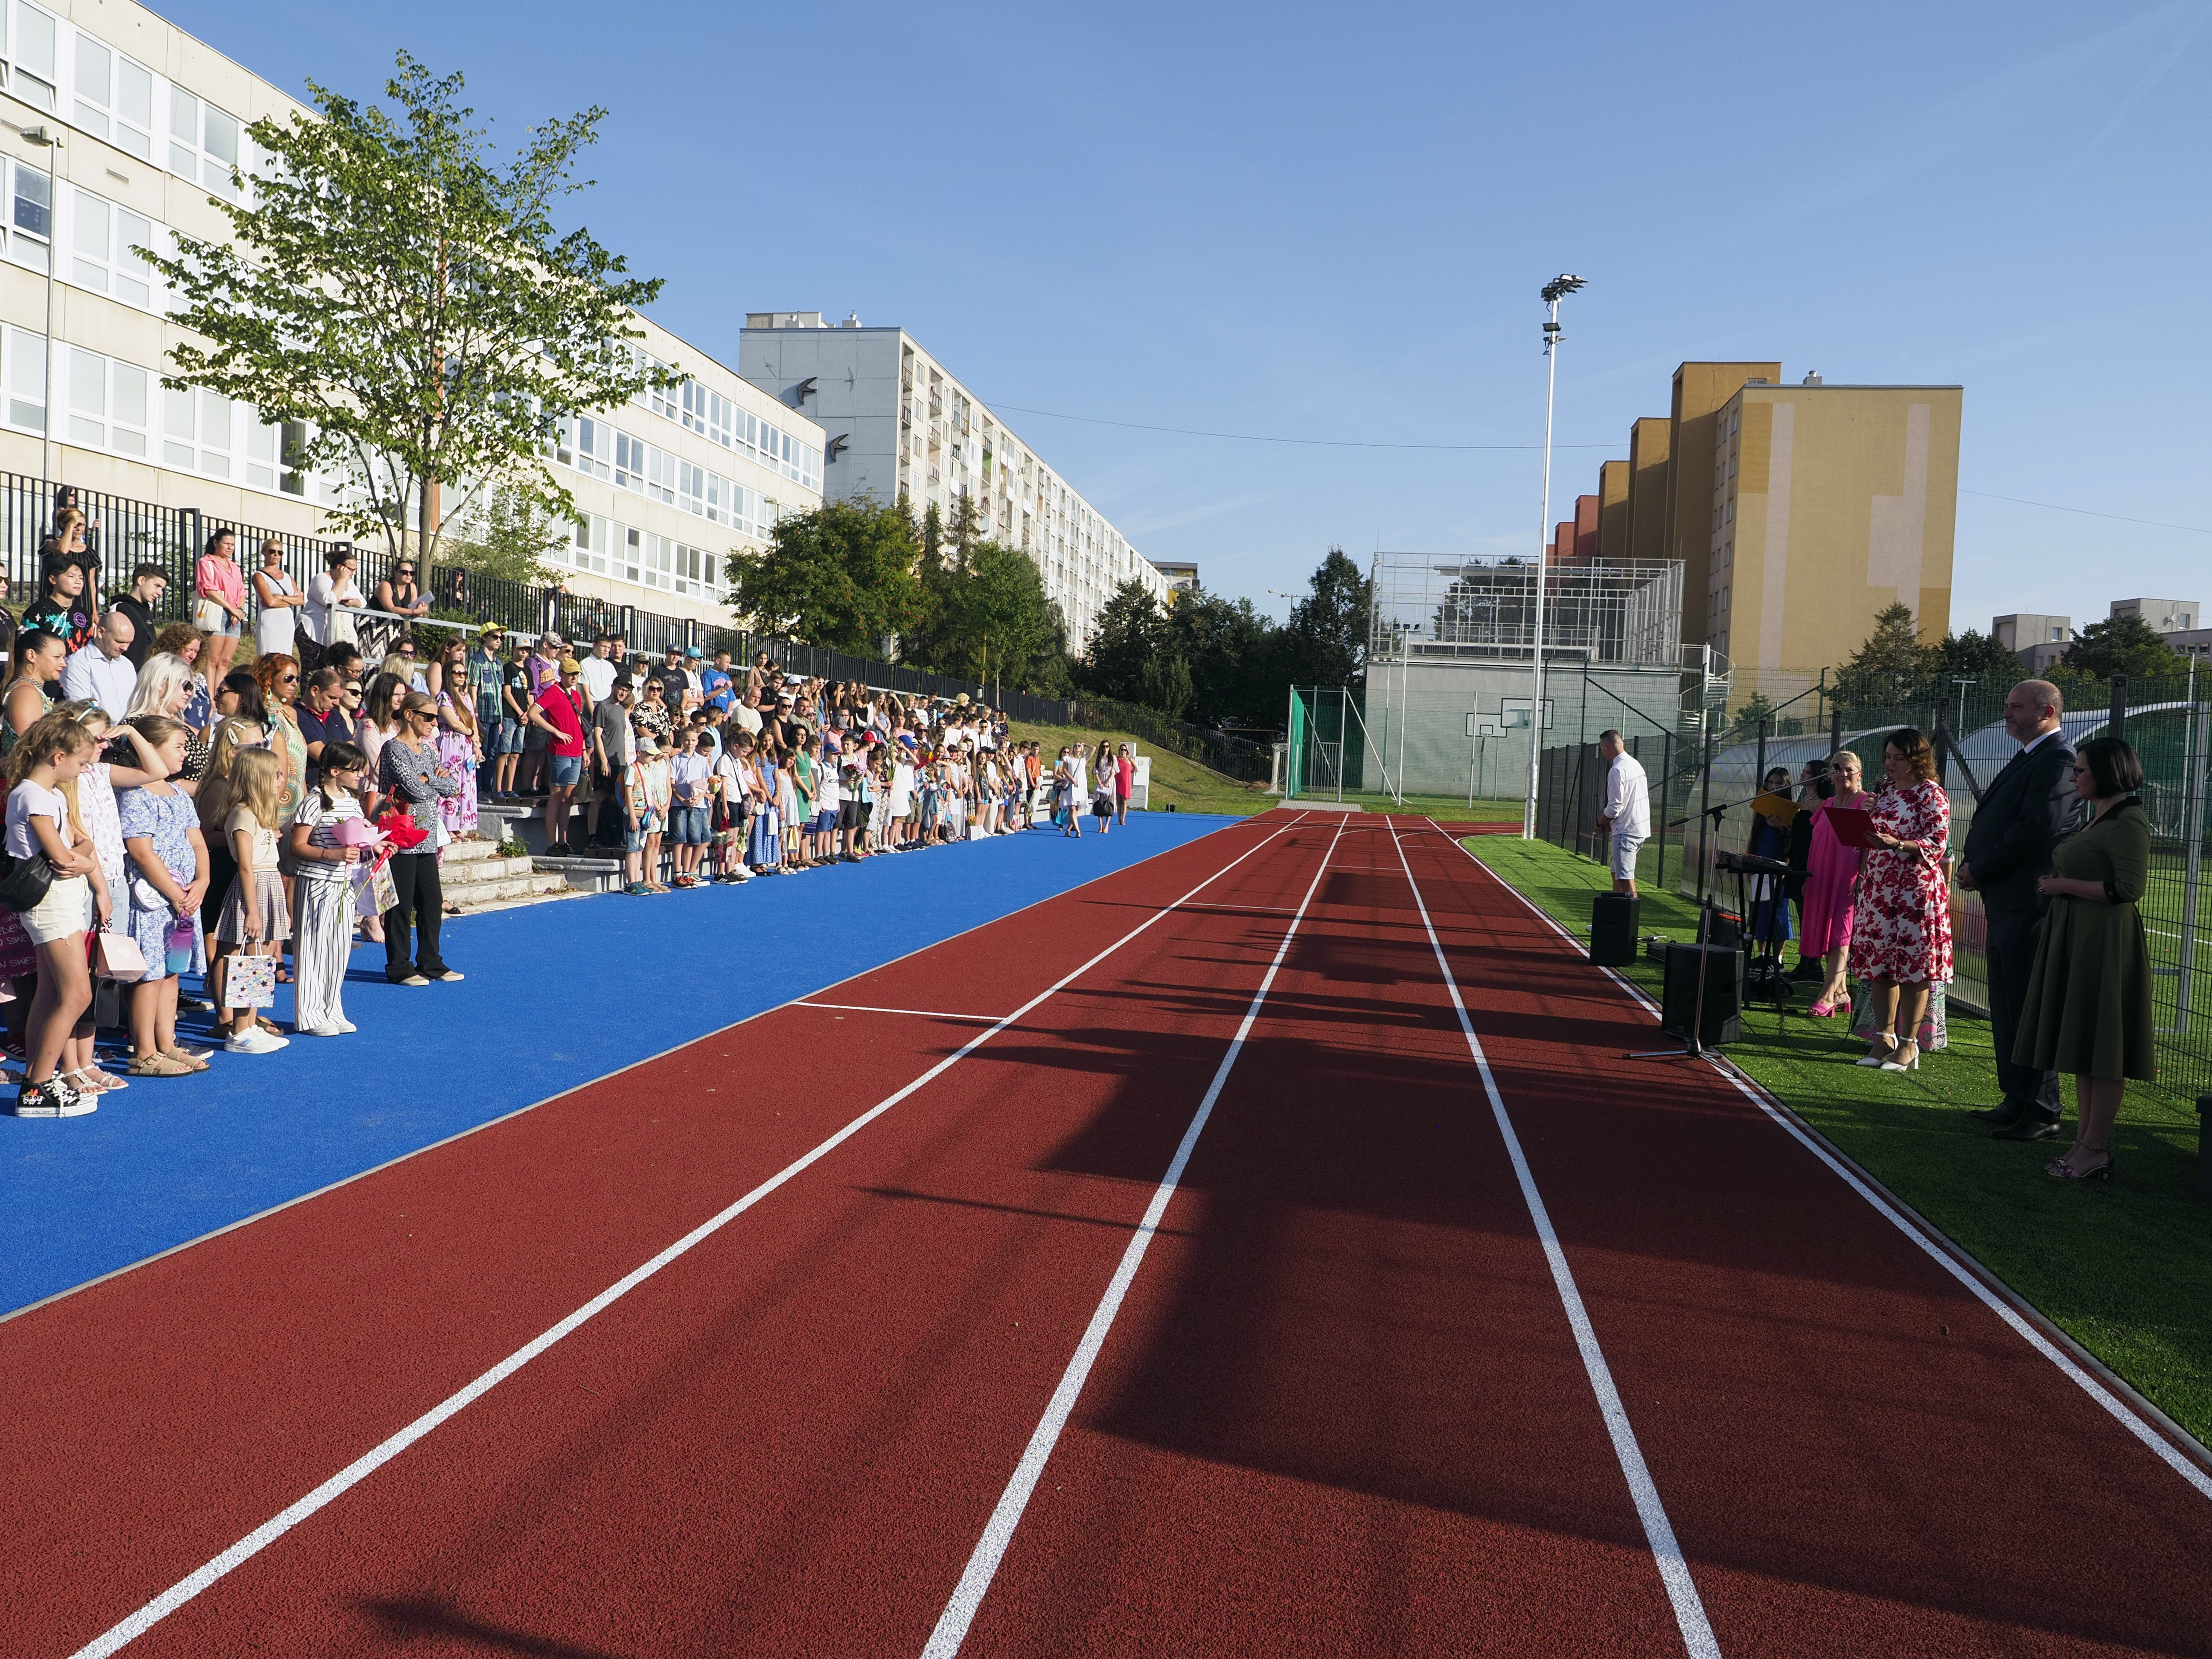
x=102, y=671
x=1627, y=814
x=599, y=671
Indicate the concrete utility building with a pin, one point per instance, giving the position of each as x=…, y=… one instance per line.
x=151, y=122
x=2037, y=640
x=901, y=428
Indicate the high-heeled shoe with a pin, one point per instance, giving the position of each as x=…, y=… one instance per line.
x=1882, y=1058
x=2058, y=1167
x=1893, y=1063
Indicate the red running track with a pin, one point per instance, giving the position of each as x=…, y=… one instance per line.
x=1341, y=1408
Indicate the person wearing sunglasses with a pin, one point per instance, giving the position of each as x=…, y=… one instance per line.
x=411, y=770
x=400, y=594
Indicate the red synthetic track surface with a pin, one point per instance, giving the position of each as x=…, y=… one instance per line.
x=1340, y=1410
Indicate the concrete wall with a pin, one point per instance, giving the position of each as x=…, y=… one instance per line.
x=1649, y=447
x=1416, y=720
x=1612, y=510
x=1700, y=391
x=856, y=396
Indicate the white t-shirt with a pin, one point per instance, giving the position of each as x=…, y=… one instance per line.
x=28, y=800
x=828, y=790
x=687, y=776
x=598, y=678
x=1627, y=798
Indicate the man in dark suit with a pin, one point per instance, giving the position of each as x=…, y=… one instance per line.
x=2019, y=819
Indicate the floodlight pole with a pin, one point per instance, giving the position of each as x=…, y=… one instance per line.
x=1555, y=290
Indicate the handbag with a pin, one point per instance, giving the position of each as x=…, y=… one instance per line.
x=249, y=982
x=24, y=883
x=116, y=956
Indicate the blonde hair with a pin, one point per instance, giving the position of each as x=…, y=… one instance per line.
x=257, y=784
x=230, y=742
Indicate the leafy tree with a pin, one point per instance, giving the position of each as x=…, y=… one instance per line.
x=989, y=615
x=1232, y=654
x=2124, y=644
x=1164, y=684
x=1131, y=632
x=968, y=526
x=402, y=292
x=842, y=575
x=506, y=534
x=1325, y=642
x=1977, y=656
x=1894, y=649
x=1756, y=708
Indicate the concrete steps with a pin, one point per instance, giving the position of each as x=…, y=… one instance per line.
x=475, y=876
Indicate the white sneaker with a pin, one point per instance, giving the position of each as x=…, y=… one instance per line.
x=317, y=1031
x=344, y=1027
x=255, y=1041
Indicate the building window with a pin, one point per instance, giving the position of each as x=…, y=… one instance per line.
x=585, y=444
x=30, y=216
x=32, y=54
x=102, y=243
x=203, y=143
x=196, y=432
x=26, y=379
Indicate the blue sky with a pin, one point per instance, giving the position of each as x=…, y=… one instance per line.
x=1331, y=222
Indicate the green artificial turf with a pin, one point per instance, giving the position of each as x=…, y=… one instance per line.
x=2123, y=1266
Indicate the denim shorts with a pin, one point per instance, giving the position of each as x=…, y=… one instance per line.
x=823, y=822
x=687, y=826
x=509, y=740
x=568, y=771
x=633, y=839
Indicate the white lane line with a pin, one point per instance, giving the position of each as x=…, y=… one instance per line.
x=1681, y=1588
x=128, y=1630
x=999, y=1532
x=2129, y=1418
x=919, y=1013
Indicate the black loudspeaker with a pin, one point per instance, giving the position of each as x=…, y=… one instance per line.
x=1614, y=919
x=1723, y=977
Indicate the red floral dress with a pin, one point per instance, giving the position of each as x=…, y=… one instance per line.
x=1901, y=918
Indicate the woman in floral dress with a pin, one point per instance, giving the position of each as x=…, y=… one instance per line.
x=1901, y=908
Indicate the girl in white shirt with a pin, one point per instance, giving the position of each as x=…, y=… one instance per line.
x=327, y=868
x=50, y=755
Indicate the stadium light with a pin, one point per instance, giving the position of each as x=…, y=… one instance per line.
x=1555, y=291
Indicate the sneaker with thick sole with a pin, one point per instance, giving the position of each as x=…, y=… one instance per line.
x=254, y=1042
x=344, y=1027
x=451, y=976
x=317, y=1031
x=53, y=1098
x=412, y=979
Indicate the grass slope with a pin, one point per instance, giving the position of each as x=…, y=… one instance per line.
x=1176, y=782
x=2124, y=1267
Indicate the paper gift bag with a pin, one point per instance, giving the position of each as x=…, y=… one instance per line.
x=249, y=982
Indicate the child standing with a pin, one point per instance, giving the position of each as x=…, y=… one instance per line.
x=166, y=879
x=326, y=896
x=51, y=753
x=688, y=774
x=653, y=772
x=254, y=917
x=635, y=807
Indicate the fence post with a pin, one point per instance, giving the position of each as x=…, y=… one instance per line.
x=1759, y=780
x=1835, y=727
x=1704, y=798
x=2118, y=722
x=1666, y=795
x=1943, y=746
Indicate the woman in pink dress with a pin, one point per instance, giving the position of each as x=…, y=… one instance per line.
x=1832, y=872
x=1901, y=909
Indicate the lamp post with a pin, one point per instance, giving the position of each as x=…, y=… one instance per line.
x=46, y=138
x=1555, y=291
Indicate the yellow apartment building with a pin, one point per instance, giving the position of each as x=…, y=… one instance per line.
x=1826, y=504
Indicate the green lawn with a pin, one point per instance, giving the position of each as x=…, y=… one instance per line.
x=1448, y=809
x=1176, y=782
x=2125, y=1267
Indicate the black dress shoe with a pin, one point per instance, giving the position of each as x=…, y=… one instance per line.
x=2004, y=1114
x=2028, y=1128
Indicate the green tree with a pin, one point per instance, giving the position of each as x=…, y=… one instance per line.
x=1325, y=642
x=989, y=617
x=1757, y=707
x=1894, y=649
x=508, y=535
x=2124, y=644
x=403, y=294
x=841, y=575
x=1132, y=633
x=1977, y=656
x=1164, y=684
x=1232, y=654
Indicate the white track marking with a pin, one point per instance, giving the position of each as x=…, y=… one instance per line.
x=919, y=1013
x=1681, y=1588
x=2119, y=1410
x=128, y=1630
x=999, y=1532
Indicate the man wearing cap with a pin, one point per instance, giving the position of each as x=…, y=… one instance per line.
x=694, y=685
x=613, y=749
x=559, y=712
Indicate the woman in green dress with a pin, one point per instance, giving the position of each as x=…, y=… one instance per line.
x=2088, y=998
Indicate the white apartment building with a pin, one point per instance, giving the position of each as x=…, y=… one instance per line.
x=900, y=427
x=150, y=121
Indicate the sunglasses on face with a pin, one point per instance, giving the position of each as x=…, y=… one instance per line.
x=287, y=680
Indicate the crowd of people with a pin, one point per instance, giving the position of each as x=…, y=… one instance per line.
x=2058, y=851
x=179, y=810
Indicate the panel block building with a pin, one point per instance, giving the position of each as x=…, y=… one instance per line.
x=901, y=428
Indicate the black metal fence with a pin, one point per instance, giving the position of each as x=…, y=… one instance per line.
x=1570, y=796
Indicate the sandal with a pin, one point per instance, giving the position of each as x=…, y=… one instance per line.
x=161, y=1066
x=190, y=1062
x=268, y=1025
x=91, y=1080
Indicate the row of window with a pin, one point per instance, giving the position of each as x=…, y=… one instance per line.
x=120, y=99
x=97, y=237
x=700, y=409
x=607, y=548
x=593, y=448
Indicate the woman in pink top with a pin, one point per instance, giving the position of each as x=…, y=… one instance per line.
x=1125, y=784
x=221, y=612
x=1831, y=871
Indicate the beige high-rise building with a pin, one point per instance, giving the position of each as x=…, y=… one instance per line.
x=1612, y=510
x=1825, y=505
x=1700, y=391
x=1649, y=447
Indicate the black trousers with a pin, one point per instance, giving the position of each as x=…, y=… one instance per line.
x=2011, y=960
x=423, y=899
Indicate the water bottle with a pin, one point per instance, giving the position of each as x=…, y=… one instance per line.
x=177, y=943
